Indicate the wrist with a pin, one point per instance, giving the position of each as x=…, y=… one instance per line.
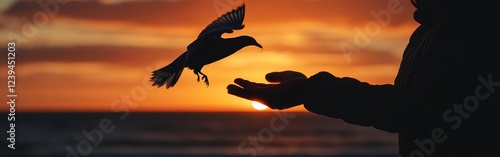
x=315, y=92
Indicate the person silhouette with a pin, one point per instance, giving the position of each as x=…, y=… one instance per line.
x=445, y=100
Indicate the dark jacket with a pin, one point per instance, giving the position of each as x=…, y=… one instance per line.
x=445, y=100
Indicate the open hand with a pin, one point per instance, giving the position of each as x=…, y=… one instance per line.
x=285, y=90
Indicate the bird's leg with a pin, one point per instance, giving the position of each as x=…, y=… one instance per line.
x=196, y=72
x=204, y=78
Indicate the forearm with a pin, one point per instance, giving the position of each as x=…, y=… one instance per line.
x=354, y=101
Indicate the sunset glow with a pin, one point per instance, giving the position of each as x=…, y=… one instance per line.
x=98, y=55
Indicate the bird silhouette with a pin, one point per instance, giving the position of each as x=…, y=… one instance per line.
x=207, y=48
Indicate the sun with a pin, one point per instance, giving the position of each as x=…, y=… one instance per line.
x=258, y=106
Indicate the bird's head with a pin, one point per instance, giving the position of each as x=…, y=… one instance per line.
x=248, y=40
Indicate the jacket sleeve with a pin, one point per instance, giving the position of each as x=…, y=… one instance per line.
x=354, y=101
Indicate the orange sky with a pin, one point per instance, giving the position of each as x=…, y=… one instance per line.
x=98, y=55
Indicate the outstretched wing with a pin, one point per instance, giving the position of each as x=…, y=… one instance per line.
x=228, y=22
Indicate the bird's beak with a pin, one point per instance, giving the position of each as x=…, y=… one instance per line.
x=258, y=45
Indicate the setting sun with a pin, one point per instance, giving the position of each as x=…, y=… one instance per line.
x=258, y=106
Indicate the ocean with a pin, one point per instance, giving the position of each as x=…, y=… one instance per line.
x=280, y=134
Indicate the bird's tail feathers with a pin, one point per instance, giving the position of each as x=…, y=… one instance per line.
x=168, y=75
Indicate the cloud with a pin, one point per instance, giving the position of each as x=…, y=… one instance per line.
x=120, y=56
x=152, y=13
x=190, y=12
x=300, y=24
x=114, y=2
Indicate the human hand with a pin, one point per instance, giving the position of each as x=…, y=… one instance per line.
x=285, y=90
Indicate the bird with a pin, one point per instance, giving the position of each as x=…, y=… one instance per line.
x=209, y=47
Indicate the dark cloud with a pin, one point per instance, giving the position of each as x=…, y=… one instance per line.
x=138, y=12
x=314, y=55
x=323, y=44
x=126, y=56
x=191, y=12
x=352, y=12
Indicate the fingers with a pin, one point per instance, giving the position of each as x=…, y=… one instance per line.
x=244, y=83
x=244, y=88
x=232, y=87
x=240, y=92
x=247, y=84
x=283, y=76
x=252, y=94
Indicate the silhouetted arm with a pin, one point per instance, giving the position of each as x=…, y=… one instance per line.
x=345, y=98
x=354, y=101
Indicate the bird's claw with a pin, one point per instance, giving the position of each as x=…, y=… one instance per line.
x=205, y=79
x=198, y=78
